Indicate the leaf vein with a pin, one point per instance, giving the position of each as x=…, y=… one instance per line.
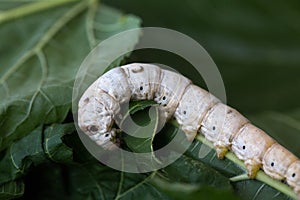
x=258, y=191
x=90, y=23
x=137, y=185
x=55, y=28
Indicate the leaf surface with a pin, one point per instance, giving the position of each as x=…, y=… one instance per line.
x=40, y=58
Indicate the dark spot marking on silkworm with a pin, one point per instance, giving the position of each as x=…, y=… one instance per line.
x=106, y=135
x=244, y=147
x=184, y=112
x=164, y=98
x=229, y=111
x=86, y=100
x=214, y=128
x=293, y=175
x=272, y=164
x=141, y=88
x=93, y=128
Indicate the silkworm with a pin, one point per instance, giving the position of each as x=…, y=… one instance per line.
x=195, y=110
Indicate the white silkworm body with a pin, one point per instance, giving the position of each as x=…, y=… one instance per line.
x=194, y=109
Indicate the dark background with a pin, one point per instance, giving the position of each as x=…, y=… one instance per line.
x=255, y=44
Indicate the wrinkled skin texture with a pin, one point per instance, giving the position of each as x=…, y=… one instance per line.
x=143, y=80
x=96, y=111
x=114, y=83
